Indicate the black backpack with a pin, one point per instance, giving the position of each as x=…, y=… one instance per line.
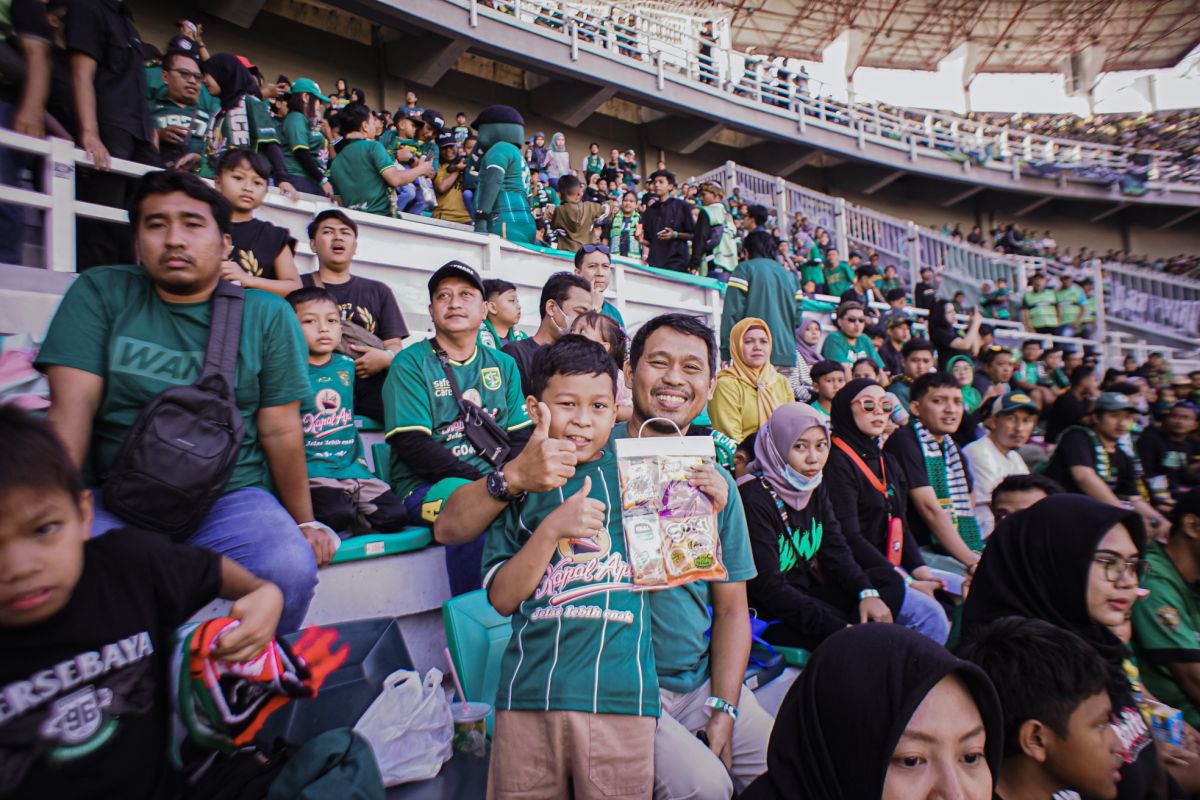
x=181, y=451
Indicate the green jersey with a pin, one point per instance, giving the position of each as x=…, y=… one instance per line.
x=838, y=279
x=332, y=446
x=1089, y=309
x=357, y=176
x=417, y=397
x=1166, y=630
x=680, y=616
x=301, y=133
x=1070, y=304
x=112, y=323
x=581, y=642
x=764, y=288
x=884, y=285
x=247, y=126
x=838, y=348
x=196, y=118
x=1042, y=307
x=488, y=337
x=593, y=165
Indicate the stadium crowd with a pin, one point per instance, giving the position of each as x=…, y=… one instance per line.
x=1035, y=511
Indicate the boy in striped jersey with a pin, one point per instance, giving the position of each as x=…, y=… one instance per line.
x=578, y=695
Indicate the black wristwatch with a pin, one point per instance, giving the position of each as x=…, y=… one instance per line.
x=497, y=487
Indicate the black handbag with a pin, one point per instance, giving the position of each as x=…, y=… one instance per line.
x=484, y=433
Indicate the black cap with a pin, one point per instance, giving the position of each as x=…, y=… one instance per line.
x=434, y=119
x=182, y=46
x=455, y=269
x=503, y=114
x=446, y=140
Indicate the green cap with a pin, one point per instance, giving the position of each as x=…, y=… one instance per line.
x=308, y=85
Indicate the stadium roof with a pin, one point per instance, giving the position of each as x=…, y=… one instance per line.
x=1013, y=35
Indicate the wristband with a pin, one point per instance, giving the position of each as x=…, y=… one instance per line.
x=717, y=704
x=867, y=594
x=908, y=579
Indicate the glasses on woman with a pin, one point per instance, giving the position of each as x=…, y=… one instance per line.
x=1116, y=568
x=869, y=405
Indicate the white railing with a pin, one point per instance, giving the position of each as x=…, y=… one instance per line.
x=1153, y=300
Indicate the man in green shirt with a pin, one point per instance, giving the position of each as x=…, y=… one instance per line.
x=1087, y=318
x=1070, y=305
x=838, y=275
x=593, y=162
x=762, y=287
x=1166, y=624
x=123, y=334
x=848, y=344
x=1040, y=306
x=182, y=113
x=363, y=174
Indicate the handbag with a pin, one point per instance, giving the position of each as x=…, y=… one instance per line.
x=482, y=431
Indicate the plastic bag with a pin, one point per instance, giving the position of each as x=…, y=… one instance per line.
x=409, y=727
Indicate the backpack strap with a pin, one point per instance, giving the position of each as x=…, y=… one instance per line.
x=224, y=333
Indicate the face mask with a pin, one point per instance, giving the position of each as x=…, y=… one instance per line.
x=799, y=482
x=565, y=328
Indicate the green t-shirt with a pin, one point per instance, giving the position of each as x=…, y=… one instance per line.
x=1070, y=304
x=680, y=615
x=1166, y=630
x=113, y=324
x=197, y=117
x=357, y=177
x=1089, y=309
x=332, y=446
x=1042, y=307
x=417, y=397
x=838, y=348
x=593, y=164
x=582, y=641
x=838, y=279
x=300, y=133
x=247, y=126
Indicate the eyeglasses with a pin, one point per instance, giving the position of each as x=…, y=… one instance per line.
x=854, y=320
x=1117, y=568
x=595, y=248
x=870, y=405
x=188, y=75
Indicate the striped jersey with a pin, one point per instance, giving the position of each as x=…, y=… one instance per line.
x=581, y=642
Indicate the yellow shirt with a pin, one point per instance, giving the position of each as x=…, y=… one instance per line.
x=450, y=206
x=733, y=409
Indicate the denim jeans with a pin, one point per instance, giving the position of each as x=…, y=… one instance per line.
x=923, y=614
x=409, y=199
x=251, y=527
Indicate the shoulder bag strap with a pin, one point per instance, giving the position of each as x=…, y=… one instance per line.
x=224, y=332
x=880, y=483
x=445, y=361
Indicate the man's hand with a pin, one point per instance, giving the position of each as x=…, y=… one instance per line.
x=372, y=361
x=321, y=543
x=666, y=233
x=232, y=271
x=327, y=190
x=95, y=148
x=173, y=134
x=257, y=614
x=580, y=517
x=872, y=609
x=545, y=463
x=289, y=191
x=186, y=162
x=720, y=737
x=708, y=480
x=424, y=169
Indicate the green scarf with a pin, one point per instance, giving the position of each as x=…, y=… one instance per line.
x=948, y=477
x=624, y=241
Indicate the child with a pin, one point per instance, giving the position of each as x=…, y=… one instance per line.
x=1053, y=376
x=503, y=314
x=85, y=627
x=557, y=562
x=865, y=368
x=1054, y=698
x=896, y=299
x=263, y=254
x=346, y=496
x=576, y=219
x=828, y=377
x=461, y=129
x=607, y=332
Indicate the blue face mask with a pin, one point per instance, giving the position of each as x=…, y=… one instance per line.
x=799, y=482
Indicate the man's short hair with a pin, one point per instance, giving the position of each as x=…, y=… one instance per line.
x=894, y=294
x=558, y=288
x=875, y=332
x=759, y=214
x=822, y=368
x=930, y=381
x=1027, y=483
x=680, y=323
x=495, y=286
x=1031, y=343
x=865, y=271
x=990, y=354
x=1041, y=672
x=572, y=354
x=169, y=181
x=658, y=173
x=1188, y=504
x=310, y=294
x=331, y=213
x=916, y=346
x=33, y=456
x=235, y=157
x=567, y=184
x=1081, y=374
x=191, y=58
x=580, y=253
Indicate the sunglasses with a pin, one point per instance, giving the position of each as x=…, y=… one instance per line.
x=870, y=405
x=595, y=248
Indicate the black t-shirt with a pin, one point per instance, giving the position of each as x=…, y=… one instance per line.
x=924, y=295
x=1067, y=410
x=863, y=512
x=256, y=245
x=941, y=338
x=904, y=446
x=893, y=362
x=83, y=708
x=523, y=352
x=1162, y=456
x=1076, y=449
x=668, y=253
x=372, y=305
x=103, y=29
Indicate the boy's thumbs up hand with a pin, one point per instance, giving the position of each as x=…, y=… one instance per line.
x=580, y=517
x=545, y=463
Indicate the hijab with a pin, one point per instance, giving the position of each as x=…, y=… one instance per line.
x=972, y=399
x=1037, y=565
x=558, y=143
x=840, y=722
x=233, y=78
x=758, y=378
x=807, y=352
x=841, y=415
x=772, y=445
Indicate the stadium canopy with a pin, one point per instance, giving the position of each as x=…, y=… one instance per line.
x=1032, y=36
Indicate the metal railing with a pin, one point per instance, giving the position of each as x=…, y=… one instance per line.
x=1152, y=300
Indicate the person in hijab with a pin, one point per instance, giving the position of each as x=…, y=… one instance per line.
x=560, y=159
x=809, y=585
x=868, y=490
x=808, y=353
x=245, y=121
x=963, y=370
x=946, y=338
x=1076, y=563
x=880, y=713
x=750, y=389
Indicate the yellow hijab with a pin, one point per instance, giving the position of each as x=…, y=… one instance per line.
x=758, y=378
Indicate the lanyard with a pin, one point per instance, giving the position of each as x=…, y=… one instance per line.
x=880, y=483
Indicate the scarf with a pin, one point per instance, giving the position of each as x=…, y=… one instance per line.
x=761, y=379
x=624, y=227
x=772, y=445
x=839, y=723
x=234, y=79
x=972, y=399
x=1037, y=564
x=1099, y=454
x=558, y=143
x=948, y=477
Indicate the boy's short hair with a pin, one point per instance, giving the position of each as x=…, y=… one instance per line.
x=875, y=331
x=865, y=271
x=310, y=294
x=331, y=213
x=895, y=294
x=572, y=354
x=990, y=354
x=1081, y=374
x=568, y=184
x=235, y=157
x=558, y=286
x=1041, y=672
x=747, y=445
x=169, y=181
x=659, y=173
x=33, y=457
x=1027, y=483
x=823, y=368
x=495, y=286
x=930, y=381
x=916, y=346
x=1031, y=343
x=686, y=324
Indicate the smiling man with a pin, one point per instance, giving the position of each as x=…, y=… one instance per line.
x=994, y=457
x=123, y=334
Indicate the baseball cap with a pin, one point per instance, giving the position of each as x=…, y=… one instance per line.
x=1113, y=401
x=1013, y=401
x=896, y=319
x=434, y=119
x=182, y=46
x=446, y=140
x=308, y=85
x=455, y=269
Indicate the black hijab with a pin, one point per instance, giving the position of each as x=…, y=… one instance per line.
x=1037, y=564
x=234, y=79
x=841, y=417
x=839, y=724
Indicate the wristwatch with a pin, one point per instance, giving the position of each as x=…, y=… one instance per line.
x=497, y=487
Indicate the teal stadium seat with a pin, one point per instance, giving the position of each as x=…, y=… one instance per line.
x=794, y=656
x=381, y=457
x=477, y=636
x=366, y=424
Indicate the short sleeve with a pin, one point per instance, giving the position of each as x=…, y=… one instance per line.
x=904, y=447
x=285, y=361
x=380, y=160
x=84, y=29
x=501, y=542
x=735, y=536
x=1075, y=450
x=391, y=321
x=405, y=402
x=295, y=132
x=1161, y=627
x=516, y=417
x=265, y=130
x=834, y=349
x=79, y=332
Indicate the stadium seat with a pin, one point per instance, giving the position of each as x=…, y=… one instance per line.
x=365, y=424
x=373, y=545
x=381, y=457
x=476, y=635
x=794, y=656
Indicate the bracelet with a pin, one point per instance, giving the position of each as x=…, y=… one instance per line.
x=866, y=594
x=717, y=704
x=908, y=579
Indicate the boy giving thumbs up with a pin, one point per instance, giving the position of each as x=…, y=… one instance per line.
x=578, y=697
